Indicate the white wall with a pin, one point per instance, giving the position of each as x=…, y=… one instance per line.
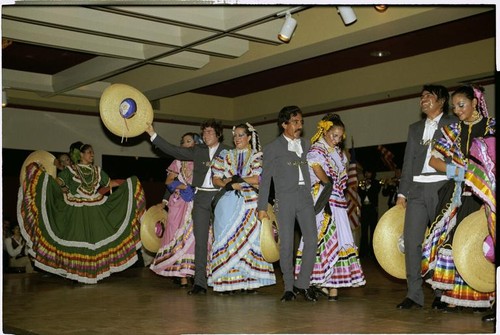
x=39, y=130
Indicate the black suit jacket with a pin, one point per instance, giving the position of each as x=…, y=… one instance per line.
x=199, y=154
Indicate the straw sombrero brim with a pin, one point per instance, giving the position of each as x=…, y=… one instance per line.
x=109, y=107
x=44, y=159
x=149, y=235
x=385, y=242
x=471, y=264
x=269, y=243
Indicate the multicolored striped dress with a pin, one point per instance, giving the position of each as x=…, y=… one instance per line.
x=175, y=258
x=80, y=235
x=236, y=262
x=438, y=267
x=337, y=262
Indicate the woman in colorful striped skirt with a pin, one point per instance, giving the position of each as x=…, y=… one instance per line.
x=337, y=263
x=175, y=257
x=236, y=262
x=451, y=154
x=72, y=227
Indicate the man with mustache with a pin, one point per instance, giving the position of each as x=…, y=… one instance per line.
x=284, y=161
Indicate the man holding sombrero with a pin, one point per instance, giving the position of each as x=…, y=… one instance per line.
x=419, y=185
x=201, y=155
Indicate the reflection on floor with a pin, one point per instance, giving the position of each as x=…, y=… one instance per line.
x=137, y=301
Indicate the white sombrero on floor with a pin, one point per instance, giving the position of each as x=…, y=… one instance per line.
x=386, y=242
x=43, y=158
x=125, y=111
x=471, y=264
x=153, y=225
x=269, y=240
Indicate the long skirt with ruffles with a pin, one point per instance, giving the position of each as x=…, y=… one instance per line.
x=337, y=263
x=438, y=266
x=175, y=258
x=82, y=241
x=236, y=261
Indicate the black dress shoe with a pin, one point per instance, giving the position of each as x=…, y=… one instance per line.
x=407, y=303
x=489, y=318
x=438, y=304
x=319, y=291
x=308, y=293
x=197, y=290
x=288, y=296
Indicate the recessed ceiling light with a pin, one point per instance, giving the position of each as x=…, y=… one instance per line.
x=381, y=8
x=380, y=53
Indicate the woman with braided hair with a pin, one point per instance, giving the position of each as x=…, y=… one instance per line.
x=236, y=262
x=78, y=226
x=337, y=263
x=451, y=154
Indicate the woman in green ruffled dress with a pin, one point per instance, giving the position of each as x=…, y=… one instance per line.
x=82, y=226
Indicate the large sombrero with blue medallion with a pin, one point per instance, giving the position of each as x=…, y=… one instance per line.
x=125, y=111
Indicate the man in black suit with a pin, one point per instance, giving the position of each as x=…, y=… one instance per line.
x=391, y=187
x=368, y=191
x=201, y=155
x=418, y=188
x=284, y=162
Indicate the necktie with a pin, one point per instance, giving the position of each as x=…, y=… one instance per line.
x=294, y=145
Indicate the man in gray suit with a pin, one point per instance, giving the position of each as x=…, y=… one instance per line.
x=201, y=155
x=284, y=161
x=418, y=188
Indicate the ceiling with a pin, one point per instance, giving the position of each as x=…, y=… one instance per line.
x=59, y=57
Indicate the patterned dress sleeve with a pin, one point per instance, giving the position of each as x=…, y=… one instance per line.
x=219, y=165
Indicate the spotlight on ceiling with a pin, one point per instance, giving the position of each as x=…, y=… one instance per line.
x=347, y=14
x=380, y=8
x=4, y=98
x=288, y=28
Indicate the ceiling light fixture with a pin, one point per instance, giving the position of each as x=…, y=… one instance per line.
x=380, y=53
x=347, y=14
x=380, y=8
x=287, y=29
x=4, y=98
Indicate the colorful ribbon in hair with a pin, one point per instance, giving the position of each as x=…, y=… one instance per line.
x=478, y=94
x=323, y=127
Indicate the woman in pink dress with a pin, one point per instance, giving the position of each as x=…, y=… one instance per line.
x=175, y=257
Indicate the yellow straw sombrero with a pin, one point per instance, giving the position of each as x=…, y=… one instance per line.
x=125, y=111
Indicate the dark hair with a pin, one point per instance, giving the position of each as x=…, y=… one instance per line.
x=285, y=114
x=474, y=92
x=337, y=122
x=254, y=136
x=196, y=137
x=75, y=150
x=334, y=119
x=216, y=125
x=441, y=93
x=468, y=91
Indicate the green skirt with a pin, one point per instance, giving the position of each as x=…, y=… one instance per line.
x=82, y=241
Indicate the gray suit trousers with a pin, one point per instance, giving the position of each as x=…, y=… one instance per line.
x=290, y=207
x=201, y=224
x=420, y=210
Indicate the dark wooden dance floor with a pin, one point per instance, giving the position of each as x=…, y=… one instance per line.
x=137, y=301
